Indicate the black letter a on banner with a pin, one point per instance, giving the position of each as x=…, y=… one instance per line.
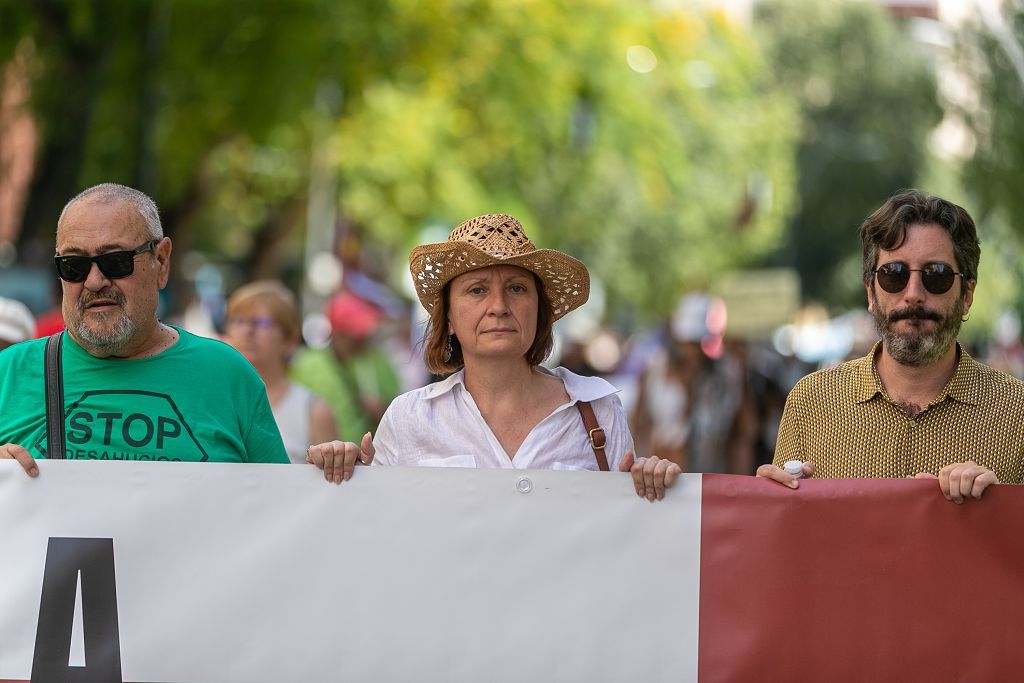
x=65, y=557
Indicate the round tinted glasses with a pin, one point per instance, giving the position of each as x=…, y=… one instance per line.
x=113, y=264
x=937, y=278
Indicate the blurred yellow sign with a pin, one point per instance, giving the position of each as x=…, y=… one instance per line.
x=758, y=301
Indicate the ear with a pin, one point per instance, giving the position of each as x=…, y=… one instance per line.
x=969, y=296
x=163, y=259
x=871, y=299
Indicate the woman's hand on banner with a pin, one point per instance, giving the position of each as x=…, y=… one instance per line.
x=651, y=475
x=338, y=459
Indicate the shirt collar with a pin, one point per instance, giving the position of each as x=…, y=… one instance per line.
x=446, y=385
x=582, y=388
x=867, y=383
x=966, y=383
x=964, y=386
x=578, y=387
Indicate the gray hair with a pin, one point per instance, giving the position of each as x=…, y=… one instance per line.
x=112, y=192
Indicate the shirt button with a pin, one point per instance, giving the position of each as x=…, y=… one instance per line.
x=524, y=485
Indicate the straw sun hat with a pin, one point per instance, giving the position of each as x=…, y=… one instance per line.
x=497, y=239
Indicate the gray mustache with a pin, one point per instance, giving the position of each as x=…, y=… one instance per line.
x=109, y=294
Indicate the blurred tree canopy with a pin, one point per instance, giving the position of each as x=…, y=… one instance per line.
x=155, y=94
x=994, y=59
x=868, y=102
x=650, y=143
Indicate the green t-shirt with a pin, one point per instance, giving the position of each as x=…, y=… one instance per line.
x=198, y=401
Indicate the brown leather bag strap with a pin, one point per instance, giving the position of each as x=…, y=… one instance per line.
x=594, y=432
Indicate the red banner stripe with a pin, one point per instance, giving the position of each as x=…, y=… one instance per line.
x=859, y=580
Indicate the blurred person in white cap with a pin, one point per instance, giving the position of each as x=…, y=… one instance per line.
x=16, y=323
x=492, y=297
x=692, y=406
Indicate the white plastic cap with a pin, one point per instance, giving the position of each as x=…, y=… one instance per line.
x=794, y=467
x=16, y=322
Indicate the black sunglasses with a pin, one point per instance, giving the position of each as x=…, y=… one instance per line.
x=113, y=264
x=937, y=278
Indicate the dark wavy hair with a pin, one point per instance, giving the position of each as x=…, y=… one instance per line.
x=886, y=229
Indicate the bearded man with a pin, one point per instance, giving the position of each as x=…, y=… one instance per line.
x=918, y=405
x=135, y=388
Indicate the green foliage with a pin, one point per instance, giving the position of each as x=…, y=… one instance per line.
x=431, y=112
x=868, y=102
x=655, y=182
x=995, y=174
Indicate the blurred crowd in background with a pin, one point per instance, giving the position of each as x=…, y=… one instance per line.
x=709, y=161
x=695, y=393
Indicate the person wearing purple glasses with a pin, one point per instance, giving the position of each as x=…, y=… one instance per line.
x=917, y=405
x=134, y=388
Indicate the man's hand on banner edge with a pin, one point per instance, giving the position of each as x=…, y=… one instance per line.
x=769, y=471
x=12, y=451
x=338, y=459
x=962, y=480
x=651, y=475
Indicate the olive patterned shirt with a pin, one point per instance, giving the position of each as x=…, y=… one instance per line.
x=841, y=420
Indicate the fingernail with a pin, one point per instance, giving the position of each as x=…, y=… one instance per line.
x=792, y=484
x=33, y=472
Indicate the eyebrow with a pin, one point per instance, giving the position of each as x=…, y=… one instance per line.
x=102, y=249
x=927, y=262
x=511, y=278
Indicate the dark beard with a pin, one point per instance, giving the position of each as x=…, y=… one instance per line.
x=922, y=348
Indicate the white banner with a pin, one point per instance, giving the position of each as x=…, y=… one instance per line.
x=227, y=572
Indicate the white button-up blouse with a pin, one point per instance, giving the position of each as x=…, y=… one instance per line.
x=439, y=425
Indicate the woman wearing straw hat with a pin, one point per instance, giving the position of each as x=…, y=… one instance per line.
x=492, y=298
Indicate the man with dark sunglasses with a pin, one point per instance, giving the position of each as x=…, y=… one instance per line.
x=918, y=405
x=135, y=388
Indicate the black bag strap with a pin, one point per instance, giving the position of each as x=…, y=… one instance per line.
x=595, y=433
x=55, y=444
